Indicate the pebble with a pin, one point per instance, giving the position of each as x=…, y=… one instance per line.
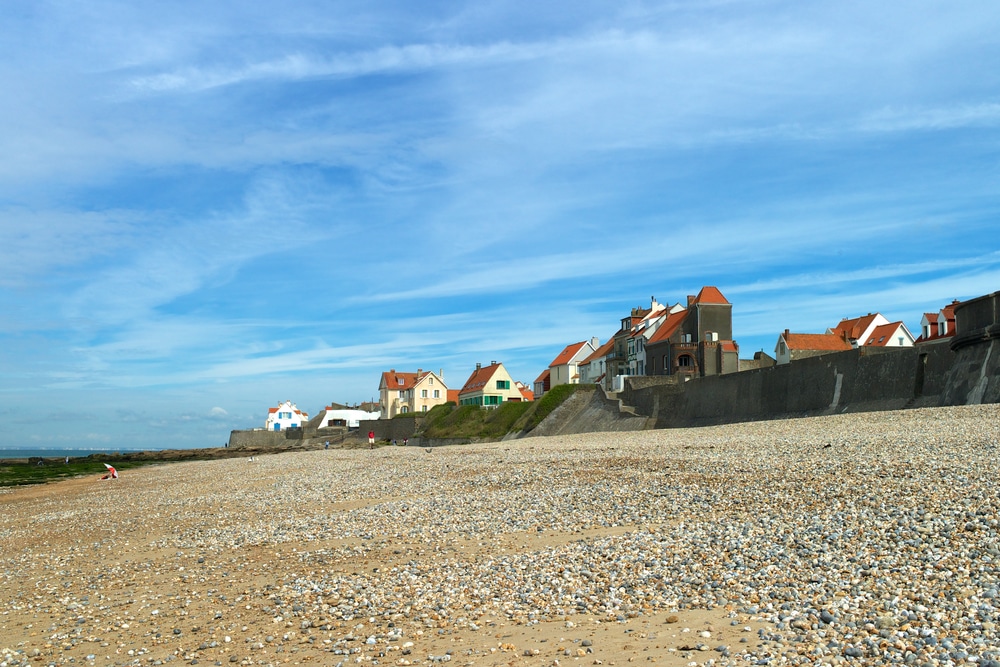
x=883, y=547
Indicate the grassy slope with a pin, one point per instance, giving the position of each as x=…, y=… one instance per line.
x=473, y=422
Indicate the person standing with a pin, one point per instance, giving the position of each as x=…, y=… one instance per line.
x=371, y=439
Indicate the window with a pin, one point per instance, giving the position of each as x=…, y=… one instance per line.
x=401, y=394
x=492, y=400
x=399, y=381
x=503, y=384
x=685, y=361
x=424, y=408
x=437, y=393
x=405, y=409
x=423, y=393
x=430, y=380
x=901, y=341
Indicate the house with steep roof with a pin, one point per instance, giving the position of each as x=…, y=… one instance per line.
x=285, y=416
x=893, y=334
x=858, y=330
x=939, y=326
x=403, y=393
x=564, y=368
x=793, y=346
x=489, y=387
x=592, y=369
x=697, y=340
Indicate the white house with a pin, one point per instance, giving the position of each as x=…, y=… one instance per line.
x=563, y=369
x=333, y=417
x=286, y=415
x=592, y=369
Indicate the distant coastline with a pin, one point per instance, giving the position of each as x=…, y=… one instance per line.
x=25, y=453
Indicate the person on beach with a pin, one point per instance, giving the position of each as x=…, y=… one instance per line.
x=371, y=439
x=111, y=473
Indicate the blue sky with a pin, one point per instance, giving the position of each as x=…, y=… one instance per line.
x=206, y=209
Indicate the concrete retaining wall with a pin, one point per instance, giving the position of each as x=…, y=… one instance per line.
x=589, y=411
x=861, y=380
x=975, y=375
x=257, y=439
x=390, y=429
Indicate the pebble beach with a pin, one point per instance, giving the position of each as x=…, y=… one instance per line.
x=845, y=540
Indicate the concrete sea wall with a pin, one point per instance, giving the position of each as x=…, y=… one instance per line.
x=860, y=380
x=975, y=375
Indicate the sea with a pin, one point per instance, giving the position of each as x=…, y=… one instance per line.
x=60, y=453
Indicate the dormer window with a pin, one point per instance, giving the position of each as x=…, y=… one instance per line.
x=399, y=381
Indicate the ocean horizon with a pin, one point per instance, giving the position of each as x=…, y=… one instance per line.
x=61, y=453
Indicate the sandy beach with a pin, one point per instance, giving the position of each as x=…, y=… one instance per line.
x=853, y=539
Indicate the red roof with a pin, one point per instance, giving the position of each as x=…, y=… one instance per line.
x=392, y=380
x=729, y=346
x=527, y=394
x=669, y=326
x=602, y=351
x=832, y=342
x=543, y=376
x=882, y=335
x=710, y=294
x=567, y=354
x=479, y=378
x=453, y=395
x=854, y=327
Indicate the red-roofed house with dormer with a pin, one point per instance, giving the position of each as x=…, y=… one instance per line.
x=939, y=326
x=489, y=387
x=893, y=334
x=403, y=393
x=285, y=416
x=858, y=330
